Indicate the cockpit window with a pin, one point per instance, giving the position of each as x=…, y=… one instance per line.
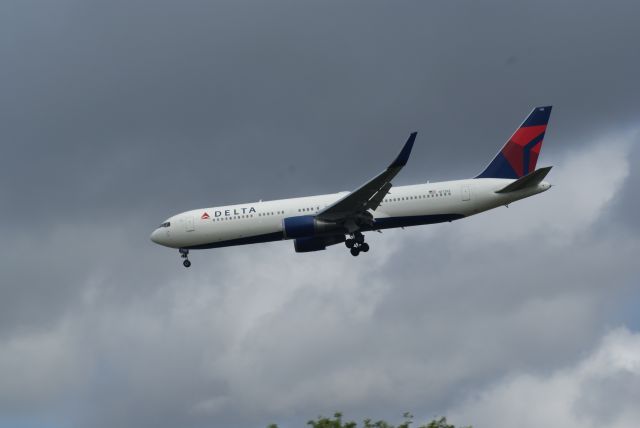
x=166, y=224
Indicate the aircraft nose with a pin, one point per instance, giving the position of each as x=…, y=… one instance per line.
x=156, y=236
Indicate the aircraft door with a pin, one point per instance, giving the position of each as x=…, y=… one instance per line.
x=189, y=224
x=466, y=193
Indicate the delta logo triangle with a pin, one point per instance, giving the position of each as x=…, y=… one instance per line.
x=205, y=216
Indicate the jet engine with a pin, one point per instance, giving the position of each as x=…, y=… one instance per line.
x=307, y=226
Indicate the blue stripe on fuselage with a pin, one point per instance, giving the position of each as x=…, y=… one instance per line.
x=379, y=223
x=257, y=239
x=413, y=220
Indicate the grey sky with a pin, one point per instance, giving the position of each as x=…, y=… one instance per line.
x=118, y=114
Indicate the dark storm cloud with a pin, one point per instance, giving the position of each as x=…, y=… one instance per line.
x=208, y=94
x=118, y=114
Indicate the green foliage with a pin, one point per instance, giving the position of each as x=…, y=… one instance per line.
x=337, y=422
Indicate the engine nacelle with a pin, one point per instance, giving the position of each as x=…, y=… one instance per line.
x=307, y=226
x=305, y=245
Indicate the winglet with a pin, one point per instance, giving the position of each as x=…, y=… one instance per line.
x=403, y=157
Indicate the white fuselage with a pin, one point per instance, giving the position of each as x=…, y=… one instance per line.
x=262, y=221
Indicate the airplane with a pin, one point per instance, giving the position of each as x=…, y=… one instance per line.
x=316, y=222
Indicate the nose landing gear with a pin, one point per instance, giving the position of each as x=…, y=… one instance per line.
x=184, y=253
x=356, y=244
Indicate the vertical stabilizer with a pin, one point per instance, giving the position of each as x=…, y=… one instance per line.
x=519, y=155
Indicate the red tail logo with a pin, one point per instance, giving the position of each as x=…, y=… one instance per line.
x=519, y=156
x=205, y=216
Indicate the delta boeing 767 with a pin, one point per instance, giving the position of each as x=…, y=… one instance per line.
x=316, y=222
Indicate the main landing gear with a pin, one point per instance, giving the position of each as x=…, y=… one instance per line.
x=356, y=244
x=184, y=253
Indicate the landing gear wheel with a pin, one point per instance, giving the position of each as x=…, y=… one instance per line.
x=356, y=243
x=184, y=253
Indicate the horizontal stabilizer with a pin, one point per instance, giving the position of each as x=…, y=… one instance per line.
x=532, y=179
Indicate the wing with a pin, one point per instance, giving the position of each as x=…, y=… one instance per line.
x=369, y=195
